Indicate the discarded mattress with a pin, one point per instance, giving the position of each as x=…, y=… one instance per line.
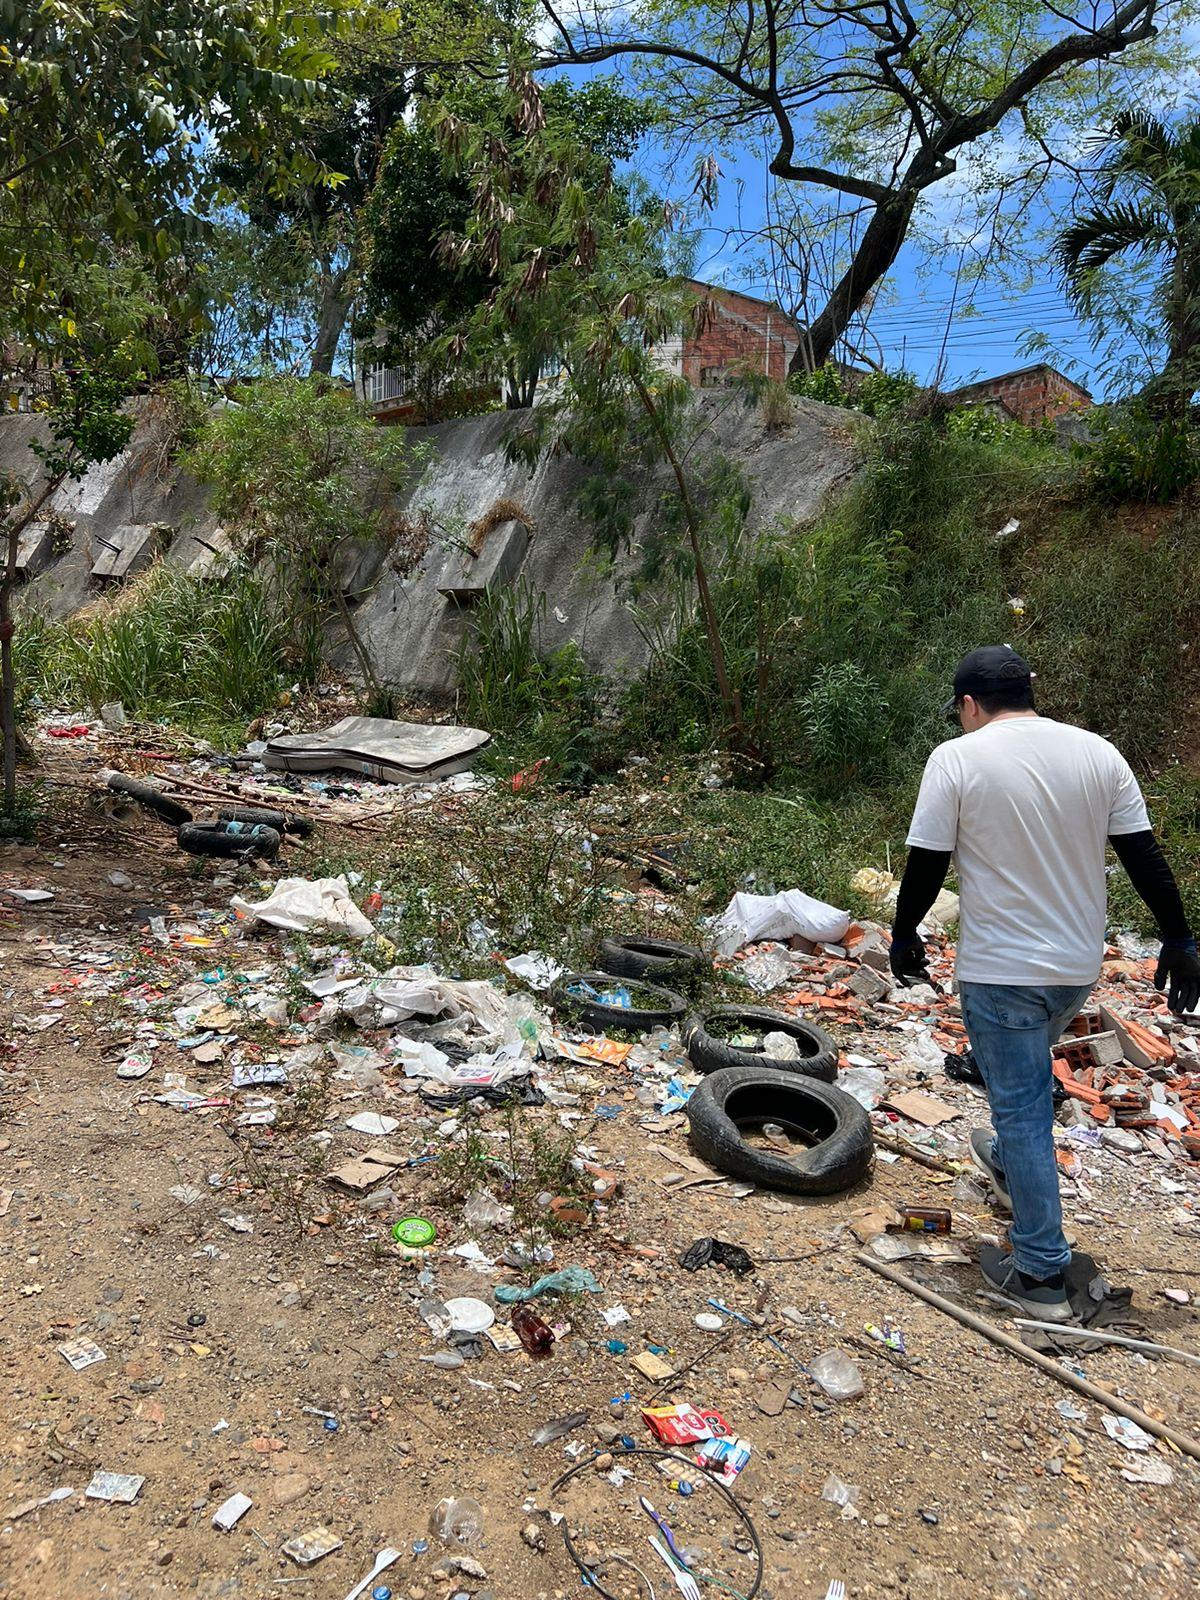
x=378, y=748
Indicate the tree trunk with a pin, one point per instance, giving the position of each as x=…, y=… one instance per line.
x=731, y=700
x=335, y=308
x=877, y=250
x=8, y=687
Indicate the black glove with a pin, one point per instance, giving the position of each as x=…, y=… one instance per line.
x=1179, y=974
x=907, y=959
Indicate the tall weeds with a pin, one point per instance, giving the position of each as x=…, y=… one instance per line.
x=202, y=652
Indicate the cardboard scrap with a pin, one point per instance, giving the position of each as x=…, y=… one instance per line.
x=364, y=1171
x=922, y=1108
x=650, y=1366
x=81, y=1353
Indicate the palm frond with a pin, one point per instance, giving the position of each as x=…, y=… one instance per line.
x=1095, y=237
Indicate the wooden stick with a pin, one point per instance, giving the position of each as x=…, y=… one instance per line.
x=1161, y=1430
x=903, y=1148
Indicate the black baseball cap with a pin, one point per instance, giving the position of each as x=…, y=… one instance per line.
x=989, y=670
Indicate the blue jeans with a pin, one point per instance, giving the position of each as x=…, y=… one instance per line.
x=1012, y=1029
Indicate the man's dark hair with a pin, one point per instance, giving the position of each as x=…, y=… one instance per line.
x=1018, y=698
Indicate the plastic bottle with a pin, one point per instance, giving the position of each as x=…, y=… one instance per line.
x=457, y=1521
x=925, y=1219
x=837, y=1375
x=536, y=1335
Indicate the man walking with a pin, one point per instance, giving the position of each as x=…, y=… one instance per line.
x=1024, y=806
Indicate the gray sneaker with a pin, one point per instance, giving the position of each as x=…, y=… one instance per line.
x=1045, y=1301
x=981, y=1156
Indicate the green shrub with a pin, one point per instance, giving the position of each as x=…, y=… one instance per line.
x=845, y=721
x=203, y=652
x=541, y=704
x=1134, y=455
x=875, y=394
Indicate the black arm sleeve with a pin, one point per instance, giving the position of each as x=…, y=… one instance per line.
x=924, y=873
x=1150, y=873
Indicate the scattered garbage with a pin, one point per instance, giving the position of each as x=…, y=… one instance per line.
x=81, y=1353
x=1127, y=1433
x=837, y=1374
x=119, y=1488
x=379, y=748
x=567, y=1280
x=751, y=918
x=535, y=1334
x=311, y=1546
x=301, y=905
x=842, y=1494
x=717, y=1253
x=385, y=1559
x=558, y=1428
x=228, y=1514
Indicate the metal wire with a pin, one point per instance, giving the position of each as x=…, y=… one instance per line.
x=659, y=1455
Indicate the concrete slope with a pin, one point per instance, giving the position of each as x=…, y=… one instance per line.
x=411, y=627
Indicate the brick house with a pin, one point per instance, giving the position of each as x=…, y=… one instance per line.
x=1037, y=393
x=741, y=332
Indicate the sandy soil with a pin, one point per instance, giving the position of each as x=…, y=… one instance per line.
x=971, y=1481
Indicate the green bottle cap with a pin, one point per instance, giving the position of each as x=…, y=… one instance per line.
x=415, y=1231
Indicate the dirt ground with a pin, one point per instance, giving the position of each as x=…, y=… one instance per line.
x=971, y=1480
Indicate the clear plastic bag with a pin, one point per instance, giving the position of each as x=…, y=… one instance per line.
x=457, y=1520
x=837, y=1375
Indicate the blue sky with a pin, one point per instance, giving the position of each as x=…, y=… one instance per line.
x=930, y=316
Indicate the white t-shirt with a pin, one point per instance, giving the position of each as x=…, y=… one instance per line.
x=1026, y=804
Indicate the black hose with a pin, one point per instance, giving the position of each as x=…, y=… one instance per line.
x=660, y=1455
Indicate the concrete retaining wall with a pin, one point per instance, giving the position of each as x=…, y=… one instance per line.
x=411, y=628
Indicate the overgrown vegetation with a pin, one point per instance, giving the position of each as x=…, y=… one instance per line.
x=206, y=653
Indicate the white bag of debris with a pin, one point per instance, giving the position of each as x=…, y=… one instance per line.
x=751, y=918
x=303, y=905
x=404, y=992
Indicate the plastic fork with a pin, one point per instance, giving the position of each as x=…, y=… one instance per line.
x=684, y=1582
x=386, y=1558
x=836, y=1590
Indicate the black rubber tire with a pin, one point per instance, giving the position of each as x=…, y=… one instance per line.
x=842, y=1143
x=659, y=960
x=150, y=796
x=671, y=1007
x=709, y=1053
x=300, y=826
x=214, y=839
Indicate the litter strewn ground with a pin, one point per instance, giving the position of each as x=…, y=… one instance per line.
x=282, y=1186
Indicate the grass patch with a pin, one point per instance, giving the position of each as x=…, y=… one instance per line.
x=203, y=653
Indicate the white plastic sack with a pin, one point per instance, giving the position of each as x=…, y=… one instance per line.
x=752, y=918
x=304, y=904
x=405, y=992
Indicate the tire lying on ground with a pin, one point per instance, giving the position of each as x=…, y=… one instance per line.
x=150, y=796
x=834, y=1126
x=708, y=1051
x=229, y=839
x=300, y=826
x=659, y=960
x=654, y=1007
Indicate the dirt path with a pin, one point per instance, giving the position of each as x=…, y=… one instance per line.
x=971, y=1479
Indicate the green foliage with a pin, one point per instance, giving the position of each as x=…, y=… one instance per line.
x=845, y=721
x=205, y=653
x=300, y=475
x=1148, y=208
x=876, y=394
x=425, y=194
x=87, y=424
x=100, y=134
x=1134, y=454
x=543, y=704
